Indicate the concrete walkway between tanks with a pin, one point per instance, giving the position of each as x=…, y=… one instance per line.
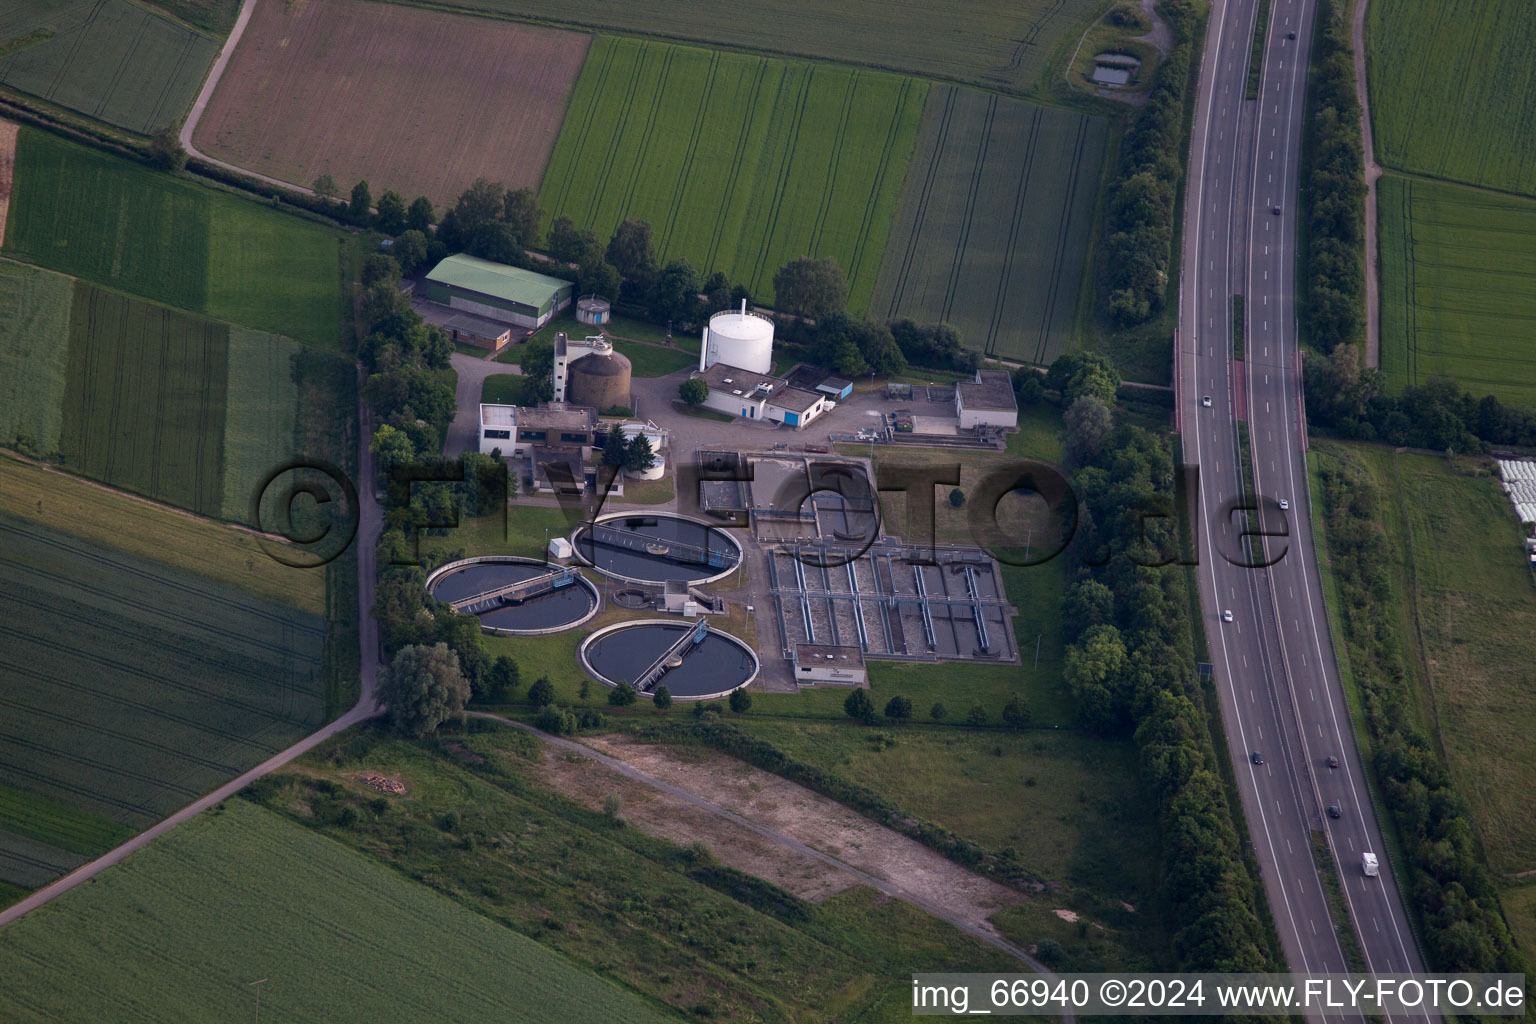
x=887, y=887
x=369, y=523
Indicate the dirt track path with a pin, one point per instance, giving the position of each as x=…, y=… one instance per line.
x=201, y=103
x=963, y=921
x=1372, y=172
x=368, y=665
x=7, y=169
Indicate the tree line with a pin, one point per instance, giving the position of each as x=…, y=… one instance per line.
x=1351, y=401
x=505, y=226
x=1454, y=896
x=1335, y=189
x=1129, y=666
x=1146, y=184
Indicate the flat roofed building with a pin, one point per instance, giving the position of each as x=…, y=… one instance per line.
x=516, y=429
x=496, y=291
x=826, y=663
x=987, y=401
x=759, y=396
x=467, y=329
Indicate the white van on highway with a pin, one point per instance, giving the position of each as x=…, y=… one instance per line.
x=1368, y=862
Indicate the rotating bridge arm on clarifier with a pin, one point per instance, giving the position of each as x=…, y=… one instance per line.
x=680, y=551
x=679, y=648
x=515, y=593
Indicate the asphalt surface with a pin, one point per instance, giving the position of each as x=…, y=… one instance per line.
x=1274, y=664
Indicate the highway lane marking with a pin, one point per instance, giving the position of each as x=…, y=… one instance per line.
x=1199, y=179
x=1376, y=924
x=1313, y=924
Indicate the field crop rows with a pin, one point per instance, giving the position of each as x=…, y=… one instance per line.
x=339, y=935
x=1453, y=90
x=781, y=158
x=110, y=59
x=1456, y=296
x=417, y=101
x=260, y=410
x=34, y=349
x=144, y=405
x=993, y=43
x=97, y=216
x=992, y=229
x=130, y=688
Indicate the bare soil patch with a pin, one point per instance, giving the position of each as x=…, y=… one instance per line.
x=7, y=169
x=820, y=823
x=412, y=100
x=665, y=816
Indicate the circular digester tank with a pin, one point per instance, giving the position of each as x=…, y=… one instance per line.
x=739, y=338
x=516, y=596
x=713, y=667
x=600, y=379
x=656, y=547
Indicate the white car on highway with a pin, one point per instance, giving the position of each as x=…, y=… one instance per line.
x=1226, y=616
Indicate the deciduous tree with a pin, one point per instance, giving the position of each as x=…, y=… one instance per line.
x=421, y=687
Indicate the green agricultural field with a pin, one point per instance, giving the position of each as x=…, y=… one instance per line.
x=33, y=816
x=221, y=553
x=34, y=351
x=992, y=230
x=1453, y=92
x=144, y=404
x=114, y=60
x=260, y=409
x=991, y=43
x=1456, y=296
x=131, y=688
x=126, y=226
x=781, y=158
x=242, y=893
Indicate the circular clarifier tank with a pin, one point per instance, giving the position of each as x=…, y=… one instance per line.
x=547, y=604
x=713, y=667
x=656, y=547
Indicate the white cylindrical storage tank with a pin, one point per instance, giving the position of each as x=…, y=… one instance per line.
x=592, y=310
x=739, y=338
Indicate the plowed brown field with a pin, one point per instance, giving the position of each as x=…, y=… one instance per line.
x=410, y=100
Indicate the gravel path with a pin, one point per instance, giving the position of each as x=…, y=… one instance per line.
x=1372, y=172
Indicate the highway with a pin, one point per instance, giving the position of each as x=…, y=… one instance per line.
x=1274, y=664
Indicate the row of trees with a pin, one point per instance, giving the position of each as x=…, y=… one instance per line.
x=1130, y=666
x=1336, y=189
x=1352, y=401
x=858, y=706
x=1140, y=243
x=1453, y=894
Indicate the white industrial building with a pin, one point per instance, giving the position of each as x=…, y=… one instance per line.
x=825, y=663
x=739, y=338
x=987, y=401
x=759, y=396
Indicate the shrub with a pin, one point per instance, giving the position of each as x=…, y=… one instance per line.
x=662, y=698
x=976, y=716
x=741, y=701
x=938, y=712
x=898, y=708
x=858, y=705
x=622, y=695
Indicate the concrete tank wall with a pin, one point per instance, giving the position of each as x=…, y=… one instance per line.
x=601, y=381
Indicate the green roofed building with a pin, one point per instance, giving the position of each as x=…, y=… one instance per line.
x=496, y=291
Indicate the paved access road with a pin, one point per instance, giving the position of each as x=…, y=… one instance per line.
x=1274, y=663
